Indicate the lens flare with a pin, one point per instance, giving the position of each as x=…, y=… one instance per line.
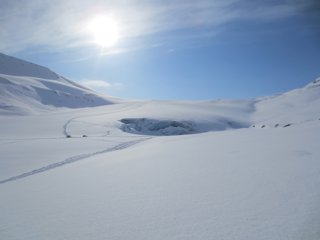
x=104, y=30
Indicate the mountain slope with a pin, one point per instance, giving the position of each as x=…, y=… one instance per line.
x=27, y=88
x=17, y=67
x=296, y=106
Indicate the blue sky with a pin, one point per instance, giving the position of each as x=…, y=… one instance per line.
x=205, y=49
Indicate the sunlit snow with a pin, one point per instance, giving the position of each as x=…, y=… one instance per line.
x=78, y=165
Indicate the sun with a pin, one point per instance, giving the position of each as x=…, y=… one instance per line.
x=104, y=31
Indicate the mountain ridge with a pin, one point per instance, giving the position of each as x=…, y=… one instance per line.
x=28, y=88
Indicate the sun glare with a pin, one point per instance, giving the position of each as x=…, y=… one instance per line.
x=104, y=30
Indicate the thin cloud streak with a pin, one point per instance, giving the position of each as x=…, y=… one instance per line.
x=100, y=84
x=60, y=24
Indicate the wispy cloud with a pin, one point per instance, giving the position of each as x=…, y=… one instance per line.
x=100, y=84
x=60, y=24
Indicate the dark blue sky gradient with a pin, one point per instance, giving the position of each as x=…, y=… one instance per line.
x=240, y=59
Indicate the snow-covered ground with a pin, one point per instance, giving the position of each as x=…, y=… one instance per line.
x=222, y=169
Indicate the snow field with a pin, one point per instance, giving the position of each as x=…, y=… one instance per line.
x=77, y=165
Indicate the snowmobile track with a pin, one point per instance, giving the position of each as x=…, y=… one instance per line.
x=73, y=159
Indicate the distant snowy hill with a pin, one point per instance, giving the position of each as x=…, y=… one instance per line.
x=296, y=106
x=27, y=88
x=17, y=67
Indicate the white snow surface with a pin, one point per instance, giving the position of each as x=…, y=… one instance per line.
x=246, y=169
x=27, y=88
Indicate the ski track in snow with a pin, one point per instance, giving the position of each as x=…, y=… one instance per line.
x=73, y=159
x=125, y=108
x=65, y=126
